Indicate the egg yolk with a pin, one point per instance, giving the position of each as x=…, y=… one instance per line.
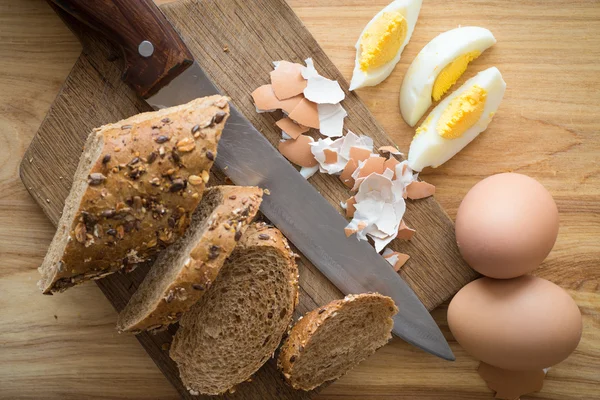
x=462, y=113
x=382, y=40
x=450, y=74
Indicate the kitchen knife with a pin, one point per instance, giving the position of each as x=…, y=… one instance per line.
x=161, y=69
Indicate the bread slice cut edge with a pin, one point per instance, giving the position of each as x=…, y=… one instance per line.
x=330, y=340
x=184, y=271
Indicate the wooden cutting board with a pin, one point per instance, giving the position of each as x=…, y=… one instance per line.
x=235, y=42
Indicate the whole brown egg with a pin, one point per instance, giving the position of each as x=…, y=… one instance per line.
x=519, y=324
x=506, y=225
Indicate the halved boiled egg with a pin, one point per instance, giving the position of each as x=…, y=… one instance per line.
x=380, y=44
x=457, y=120
x=438, y=66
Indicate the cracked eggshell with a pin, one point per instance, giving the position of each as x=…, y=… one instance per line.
x=419, y=190
x=346, y=175
x=287, y=79
x=395, y=258
x=404, y=232
x=265, y=99
x=298, y=151
x=306, y=113
x=372, y=165
x=517, y=324
x=320, y=89
x=359, y=153
x=291, y=128
x=307, y=172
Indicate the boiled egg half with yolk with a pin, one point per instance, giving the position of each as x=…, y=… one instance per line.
x=438, y=66
x=457, y=120
x=380, y=44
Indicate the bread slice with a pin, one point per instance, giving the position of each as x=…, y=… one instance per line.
x=184, y=272
x=136, y=186
x=327, y=342
x=237, y=325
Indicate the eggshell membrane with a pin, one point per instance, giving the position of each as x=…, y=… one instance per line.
x=506, y=225
x=331, y=156
x=287, y=80
x=291, y=128
x=372, y=165
x=298, y=151
x=404, y=232
x=306, y=113
x=510, y=385
x=359, y=153
x=350, y=209
x=346, y=175
x=419, y=190
x=518, y=324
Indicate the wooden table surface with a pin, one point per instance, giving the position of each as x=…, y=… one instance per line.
x=66, y=346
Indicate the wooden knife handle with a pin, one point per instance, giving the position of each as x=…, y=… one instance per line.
x=154, y=52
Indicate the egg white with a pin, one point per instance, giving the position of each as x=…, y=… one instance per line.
x=410, y=10
x=429, y=149
x=415, y=94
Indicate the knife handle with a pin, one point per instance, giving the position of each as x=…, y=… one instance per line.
x=154, y=53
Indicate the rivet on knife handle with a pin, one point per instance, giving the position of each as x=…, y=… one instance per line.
x=154, y=52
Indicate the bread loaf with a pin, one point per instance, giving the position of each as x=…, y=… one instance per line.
x=327, y=342
x=184, y=271
x=237, y=325
x=134, y=191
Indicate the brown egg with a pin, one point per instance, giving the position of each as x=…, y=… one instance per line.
x=506, y=225
x=517, y=324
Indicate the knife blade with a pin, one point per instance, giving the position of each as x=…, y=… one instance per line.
x=158, y=69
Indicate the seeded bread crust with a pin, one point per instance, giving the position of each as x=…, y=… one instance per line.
x=302, y=335
x=136, y=186
x=214, y=347
x=212, y=236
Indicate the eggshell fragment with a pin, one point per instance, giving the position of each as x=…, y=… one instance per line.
x=390, y=149
x=288, y=105
x=419, y=190
x=331, y=119
x=346, y=175
x=305, y=113
x=359, y=153
x=291, y=128
x=298, y=151
x=307, y=172
x=395, y=258
x=320, y=89
x=265, y=99
x=390, y=164
x=510, y=385
x=349, y=231
x=350, y=209
x=372, y=165
x=331, y=156
x=404, y=232
x=287, y=80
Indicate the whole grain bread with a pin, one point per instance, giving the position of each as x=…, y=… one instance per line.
x=328, y=341
x=184, y=271
x=134, y=191
x=237, y=325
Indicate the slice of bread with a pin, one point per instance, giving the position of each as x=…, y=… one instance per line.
x=137, y=184
x=237, y=325
x=184, y=271
x=327, y=342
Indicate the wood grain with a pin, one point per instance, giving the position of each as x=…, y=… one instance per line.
x=546, y=128
x=253, y=41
